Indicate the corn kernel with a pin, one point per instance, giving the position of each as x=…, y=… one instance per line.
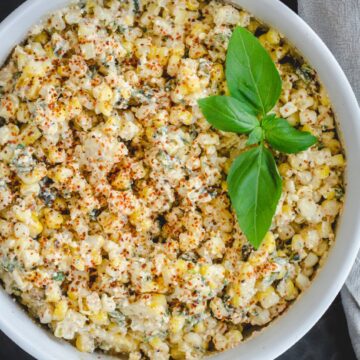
x=60, y=310
x=192, y=5
x=273, y=37
x=101, y=318
x=323, y=172
x=84, y=343
x=337, y=160
x=30, y=134
x=284, y=169
x=53, y=219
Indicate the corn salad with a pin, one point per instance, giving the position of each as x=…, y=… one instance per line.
x=116, y=226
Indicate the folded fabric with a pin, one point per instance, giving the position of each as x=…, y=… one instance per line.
x=338, y=24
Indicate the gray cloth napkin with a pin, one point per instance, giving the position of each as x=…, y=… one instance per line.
x=338, y=24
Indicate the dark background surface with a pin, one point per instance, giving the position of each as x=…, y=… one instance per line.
x=328, y=340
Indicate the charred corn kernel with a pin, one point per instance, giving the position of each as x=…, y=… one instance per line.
x=177, y=322
x=322, y=172
x=60, y=310
x=101, y=318
x=273, y=37
x=291, y=292
x=268, y=298
x=53, y=219
x=192, y=5
x=30, y=134
x=337, y=160
x=334, y=145
x=284, y=169
x=84, y=343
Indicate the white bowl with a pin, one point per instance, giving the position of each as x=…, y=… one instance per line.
x=307, y=310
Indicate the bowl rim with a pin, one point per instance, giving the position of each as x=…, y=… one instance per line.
x=341, y=258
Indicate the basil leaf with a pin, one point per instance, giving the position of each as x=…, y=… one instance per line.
x=285, y=138
x=256, y=136
x=251, y=74
x=225, y=113
x=255, y=188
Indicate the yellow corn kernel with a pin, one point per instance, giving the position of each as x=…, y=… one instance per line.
x=41, y=38
x=286, y=209
x=72, y=295
x=224, y=186
x=197, y=51
x=63, y=71
x=121, y=182
x=176, y=353
x=284, y=169
x=75, y=107
x=334, y=146
x=105, y=108
x=330, y=195
x=30, y=134
x=84, y=343
x=308, y=128
x=294, y=119
x=273, y=37
x=337, y=160
x=267, y=298
x=160, y=54
x=173, y=65
x=324, y=98
x=103, y=92
x=186, y=117
x=176, y=324
x=323, y=172
x=62, y=174
x=101, y=318
x=35, y=225
x=53, y=219
x=217, y=73
x=269, y=244
x=96, y=257
x=158, y=300
x=192, y=5
x=34, y=177
x=124, y=343
x=79, y=263
x=181, y=266
x=200, y=327
x=60, y=310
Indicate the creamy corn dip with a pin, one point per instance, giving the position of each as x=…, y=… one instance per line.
x=116, y=226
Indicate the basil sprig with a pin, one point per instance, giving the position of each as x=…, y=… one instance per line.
x=255, y=85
